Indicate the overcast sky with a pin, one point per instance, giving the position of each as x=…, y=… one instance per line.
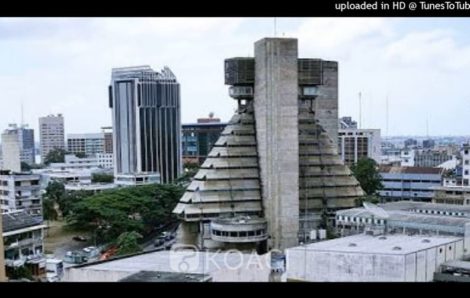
x=63, y=65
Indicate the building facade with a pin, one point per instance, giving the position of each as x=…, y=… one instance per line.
x=409, y=183
x=199, y=138
x=23, y=237
x=51, y=134
x=26, y=142
x=365, y=258
x=108, y=139
x=20, y=192
x=273, y=169
x=354, y=144
x=146, y=122
x=87, y=144
x=11, y=151
x=431, y=157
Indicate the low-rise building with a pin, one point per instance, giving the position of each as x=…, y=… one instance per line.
x=409, y=183
x=407, y=218
x=367, y=258
x=137, y=179
x=220, y=266
x=20, y=191
x=92, y=187
x=63, y=176
x=23, y=242
x=458, y=195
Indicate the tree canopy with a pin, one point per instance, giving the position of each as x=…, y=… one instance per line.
x=367, y=174
x=55, y=155
x=113, y=212
x=102, y=178
x=128, y=243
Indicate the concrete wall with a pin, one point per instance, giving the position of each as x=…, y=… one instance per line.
x=2, y=259
x=326, y=104
x=276, y=113
x=368, y=267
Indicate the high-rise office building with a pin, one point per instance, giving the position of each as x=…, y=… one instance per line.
x=146, y=122
x=199, y=138
x=274, y=175
x=51, y=134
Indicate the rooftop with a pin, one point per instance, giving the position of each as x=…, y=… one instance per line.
x=409, y=170
x=389, y=244
x=19, y=220
x=158, y=276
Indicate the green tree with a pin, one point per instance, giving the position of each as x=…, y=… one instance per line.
x=366, y=172
x=48, y=209
x=21, y=272
x=113, y=212
x=128, y=243
x=102, y=178
x=80, y=154
x=56, y=155
x=25, y=167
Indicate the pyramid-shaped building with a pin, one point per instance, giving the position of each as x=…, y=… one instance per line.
x=274, y=175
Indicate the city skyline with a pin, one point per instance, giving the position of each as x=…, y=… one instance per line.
x=65, y=64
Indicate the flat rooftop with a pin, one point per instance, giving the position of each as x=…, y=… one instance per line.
x=388, y=244
x=158, y=276
x=168, y=261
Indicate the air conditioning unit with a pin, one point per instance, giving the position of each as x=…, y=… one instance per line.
x=241, y=92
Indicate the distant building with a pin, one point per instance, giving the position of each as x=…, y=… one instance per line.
x=23, y=242
x=431, y=157
x=25, y=140
x=20, y=192
x=11, y=151
x=108, y=139
x=199, y=138
x=354, y=144
x=99, y=160
x=428, y=144
x=146, y=122
x=92, y=187
x=347, y=122
x=137, y=179
x=88, y=144
x=405, y=217
x=409, y=183
x=409, y=143
x=51, y=134
x=365, y=258
x=457, y=195
x=407, y=158
x=63, y=176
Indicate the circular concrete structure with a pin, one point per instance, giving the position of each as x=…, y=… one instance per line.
x=240, y=229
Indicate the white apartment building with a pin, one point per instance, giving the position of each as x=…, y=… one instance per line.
x=86, y=143
x=20, y=192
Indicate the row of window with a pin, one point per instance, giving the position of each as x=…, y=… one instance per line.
x=360, y=219
x=440, y=212
x=239, y=234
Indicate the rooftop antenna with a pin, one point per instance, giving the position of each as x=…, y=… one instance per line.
x=275, y=27
x=427, y=127
x=386, y=117
x=22, y=114
x=360, y=110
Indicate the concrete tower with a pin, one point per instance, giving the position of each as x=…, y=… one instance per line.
x=276, y=111
x=274, y=175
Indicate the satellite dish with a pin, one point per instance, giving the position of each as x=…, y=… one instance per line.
x=376, y=210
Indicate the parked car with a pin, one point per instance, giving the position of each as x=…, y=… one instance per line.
x=79, y=238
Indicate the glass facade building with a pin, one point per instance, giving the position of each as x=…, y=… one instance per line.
x=146, y=121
